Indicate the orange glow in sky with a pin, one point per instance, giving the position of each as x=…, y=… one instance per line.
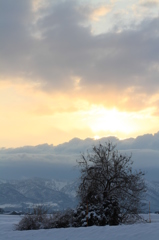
x=77, y=69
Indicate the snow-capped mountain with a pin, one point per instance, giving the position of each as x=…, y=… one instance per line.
x=152, y=195
x=30, y=192
x=57, y=195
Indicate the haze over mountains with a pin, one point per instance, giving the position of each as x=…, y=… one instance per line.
x=27, y=174
x=23, y=195
x=59, y=162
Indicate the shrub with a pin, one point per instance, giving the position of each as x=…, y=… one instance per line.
x=37, y=220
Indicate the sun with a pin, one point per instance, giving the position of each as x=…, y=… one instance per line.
x=109, y=121
x=96, y=137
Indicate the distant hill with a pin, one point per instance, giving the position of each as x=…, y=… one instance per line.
x=23, y=195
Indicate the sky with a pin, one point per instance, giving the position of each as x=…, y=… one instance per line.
x=84, y=68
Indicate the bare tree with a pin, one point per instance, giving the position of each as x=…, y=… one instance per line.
x=109, y=188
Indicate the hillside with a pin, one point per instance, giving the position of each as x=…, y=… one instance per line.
x=23, y=195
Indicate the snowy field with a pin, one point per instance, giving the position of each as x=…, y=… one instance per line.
x=142, y=231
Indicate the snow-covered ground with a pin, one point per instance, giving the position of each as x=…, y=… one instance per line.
x=142, y=231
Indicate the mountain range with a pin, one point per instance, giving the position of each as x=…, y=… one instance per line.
x=28, y=193
x=24, y=195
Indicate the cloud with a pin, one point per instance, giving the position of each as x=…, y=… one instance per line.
x=38, y=4
x=44, y=110
x=100, y=12
x=149, y=3
x=39, y=161
x=16, y=42
x=50, y=161
x=66, y=50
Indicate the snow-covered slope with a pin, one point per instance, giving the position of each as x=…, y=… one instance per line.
x=152, y=195
x=140, y=231
x=25, y=193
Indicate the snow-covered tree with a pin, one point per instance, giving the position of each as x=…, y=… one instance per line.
x=110, y=191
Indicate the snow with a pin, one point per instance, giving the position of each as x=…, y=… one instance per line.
x=140, y=231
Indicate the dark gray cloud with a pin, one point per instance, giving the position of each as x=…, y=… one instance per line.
x=15, y=41
x=67, y=48
x=149, y=3
x=25, y=165
x=60, y=161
